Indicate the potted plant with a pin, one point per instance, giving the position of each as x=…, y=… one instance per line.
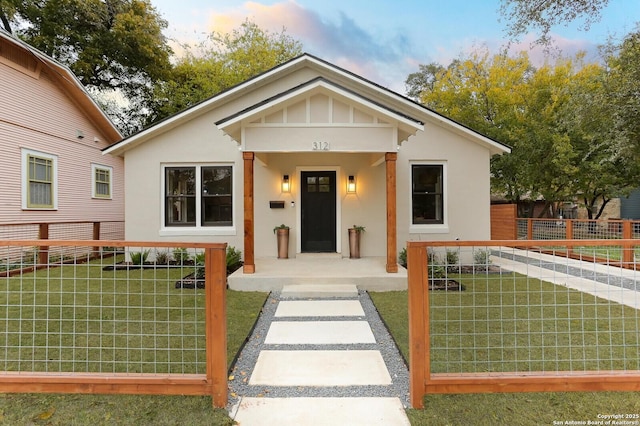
x=354, y=241
x=282, y=233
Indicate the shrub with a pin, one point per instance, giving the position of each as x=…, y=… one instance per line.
x=199, y=262
x=162, y=257
x=139, y=257
x=402, y=257
x=181, y=255
x=234, y=259
x=453, y=260
x=481, y=259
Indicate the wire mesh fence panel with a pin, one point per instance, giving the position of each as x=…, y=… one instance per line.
x=124, y=311
x=507, y=310
x=112, y=231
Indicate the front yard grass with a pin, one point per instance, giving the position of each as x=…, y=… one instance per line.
x=499, y=409
x=83, y=312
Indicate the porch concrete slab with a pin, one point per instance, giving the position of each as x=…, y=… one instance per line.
x=319, y=308
x=308, y=291
x=321, y=412
x=319, y=333
x=320, y=368
x=367, y=273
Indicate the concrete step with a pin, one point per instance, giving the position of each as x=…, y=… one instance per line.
x=319, y=333
x=320, y=368
x=319, y=308
x=314, y=291
x=321, y=412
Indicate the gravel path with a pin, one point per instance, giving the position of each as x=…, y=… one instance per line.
x=239, y=387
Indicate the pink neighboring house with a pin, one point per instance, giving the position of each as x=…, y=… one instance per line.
x=51, y=136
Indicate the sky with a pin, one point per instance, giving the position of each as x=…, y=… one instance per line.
x=386, y=40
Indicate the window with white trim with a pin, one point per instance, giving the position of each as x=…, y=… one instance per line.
x=198, y=196
x=39, y=180
x=102, y=181
x=427, y=194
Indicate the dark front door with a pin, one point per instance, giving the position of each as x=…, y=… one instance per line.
x=318, y=199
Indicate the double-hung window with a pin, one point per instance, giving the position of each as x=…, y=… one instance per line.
x=39, y=180
x=427, y=195
x=101, y=181
x=198, y=196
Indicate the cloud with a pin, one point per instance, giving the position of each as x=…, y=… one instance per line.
x=370, y=53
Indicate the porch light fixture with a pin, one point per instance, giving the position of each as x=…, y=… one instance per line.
x=351, y=185
x=286, y=186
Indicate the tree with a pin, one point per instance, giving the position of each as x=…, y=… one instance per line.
x=559, y=119
x=222, y=61
x=111, y=45
x=542, y=15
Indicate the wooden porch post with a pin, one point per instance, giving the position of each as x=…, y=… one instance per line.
x=249, y=260
x=392, y=243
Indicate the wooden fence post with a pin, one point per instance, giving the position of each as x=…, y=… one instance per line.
x=529, y=229
x=569, y=234
x=96, y=236
x=43, y=251
x=216, y=323
x=628, y=257
x=418, y=294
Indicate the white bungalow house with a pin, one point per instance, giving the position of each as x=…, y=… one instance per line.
x=317, y=148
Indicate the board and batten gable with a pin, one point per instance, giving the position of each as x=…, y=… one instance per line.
x=41, y=115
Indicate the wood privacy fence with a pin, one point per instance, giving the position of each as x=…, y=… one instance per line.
x=503, y=221
x=150, y=318
x=505, y=317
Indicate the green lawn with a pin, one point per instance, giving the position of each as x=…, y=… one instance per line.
x=499, y=409
x=136, y=318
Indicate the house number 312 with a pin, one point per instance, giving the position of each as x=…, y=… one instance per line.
x=320, y=146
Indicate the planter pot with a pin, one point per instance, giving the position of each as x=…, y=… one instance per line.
x=283, y=243
x=354, y=243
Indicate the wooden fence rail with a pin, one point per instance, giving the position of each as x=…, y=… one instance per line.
x=212, y=382
x=490, y=377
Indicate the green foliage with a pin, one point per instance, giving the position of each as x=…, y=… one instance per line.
x=359, y=229
x=114, y=46
x=481, y=258
x=524, y=16
x=139, y=257
x=402, y=257
x=436, y=268
x=452, y=257
x=222, y=61
x=283, y=226
x=181, y=255
x=162, y=257
x=568, y=137
x=234, y=259
x=198, y=260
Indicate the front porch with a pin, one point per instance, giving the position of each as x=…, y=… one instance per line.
x=367, y=273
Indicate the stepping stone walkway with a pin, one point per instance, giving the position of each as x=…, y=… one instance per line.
x=313, y=360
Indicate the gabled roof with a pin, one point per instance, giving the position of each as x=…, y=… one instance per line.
x=365, y=88
x=68, y=81
x=231, y=125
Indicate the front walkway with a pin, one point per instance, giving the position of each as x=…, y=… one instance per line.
x=319, y=361
x=607, y=282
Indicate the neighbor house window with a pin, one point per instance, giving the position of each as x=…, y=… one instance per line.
x=198, y=196
x=39, y=183
x=102, y=181
x=427, y=196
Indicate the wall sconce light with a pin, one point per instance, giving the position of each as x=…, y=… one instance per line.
x=286, y=185
x=351, y=185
